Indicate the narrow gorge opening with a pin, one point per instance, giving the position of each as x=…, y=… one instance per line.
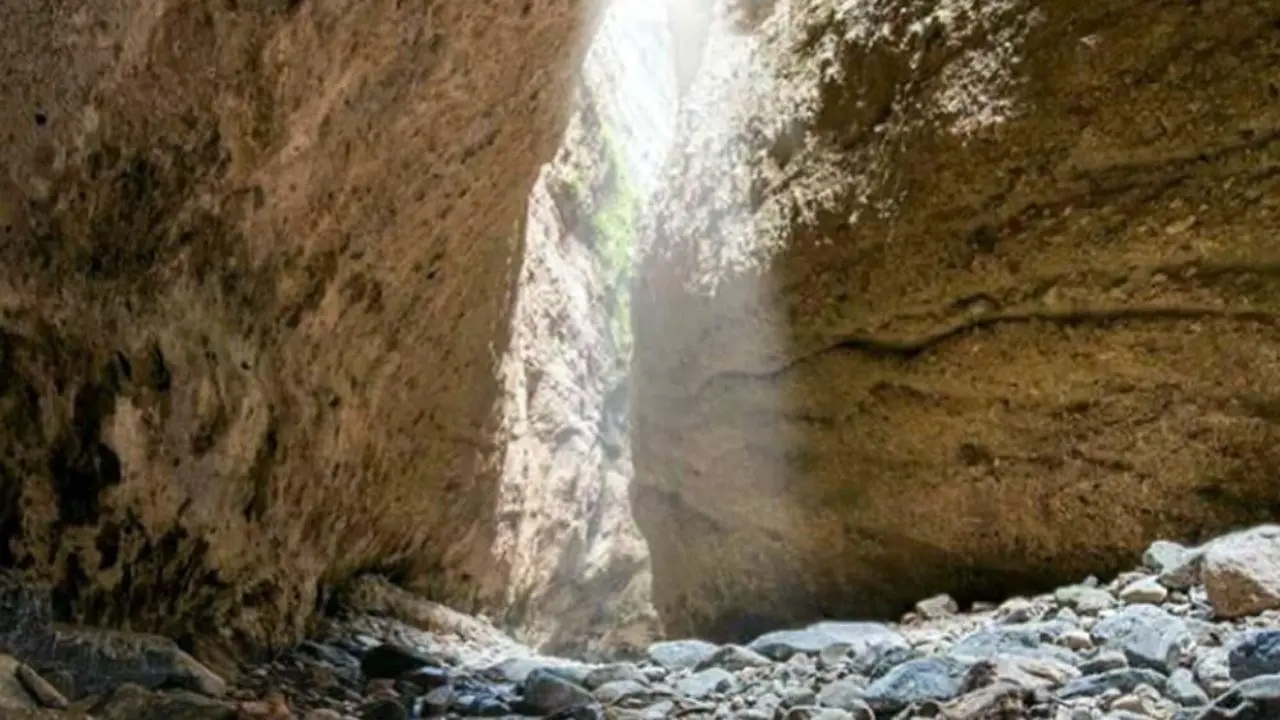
x=579, y=568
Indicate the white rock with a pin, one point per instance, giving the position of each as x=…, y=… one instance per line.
x=1084, y=599
x=1212, y=671
x=1076, y=639
x=1241, y=572
x=1016, y=610
x=1144, y=590
x=936, y=607
x=1163, y=555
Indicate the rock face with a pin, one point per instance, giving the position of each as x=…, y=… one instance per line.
x=956, y=296
x=255, y=277
x=580, y=581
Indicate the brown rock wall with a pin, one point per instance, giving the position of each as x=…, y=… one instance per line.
x=956, y=296
x=255, y=278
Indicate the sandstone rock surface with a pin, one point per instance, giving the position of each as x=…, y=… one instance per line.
x=579, y=569
x=256, y=267
x=579, y=574
x=957, y=296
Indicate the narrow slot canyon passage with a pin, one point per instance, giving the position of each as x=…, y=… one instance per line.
x=634, y=360
x=580, y=578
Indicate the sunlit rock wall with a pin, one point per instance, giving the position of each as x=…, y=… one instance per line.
x=946, y=295
x=580, y=578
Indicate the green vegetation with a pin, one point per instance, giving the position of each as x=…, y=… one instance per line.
x=614, y=228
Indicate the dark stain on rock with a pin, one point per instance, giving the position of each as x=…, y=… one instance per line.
x=158, y=377
x=260, y=474
x=983, y=239
x=81, y=465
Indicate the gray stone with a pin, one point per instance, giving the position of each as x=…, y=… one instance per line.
x=1123, y=680
x=680, y=654
x=547, y=692
x=1029, y=639
x=1254, y=653
x=1104, y=661
x=1031, y=673
x=517, y=670
x=861, y=637
x=616, y=691
x=935, y=678
x=1185, y=572
x=435, y=703
x=706, y=682
x=1182, y=689
x=1254, y=699
x=1213, y=671
x=820, y=713
x=615, y=672
x=734, y=657
x=1017, y=610
x=833, y=655
x=1147, y=635
x=799, y=695
x=845, y=693
x=660, y=711
x=1162, y=555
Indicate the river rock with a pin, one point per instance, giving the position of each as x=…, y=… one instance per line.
x=1254, y=653
x=916, y=681
x=1123, y=680
x=547, y=692
x=1241, y=572
x=680, y=654
x=1149, y=636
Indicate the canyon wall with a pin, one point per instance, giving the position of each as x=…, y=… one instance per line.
x=580, y=581
x=256, y=276
x=943, y=295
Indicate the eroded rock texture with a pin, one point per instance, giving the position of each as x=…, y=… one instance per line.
x=255, y=279
x=580, y=581
x=951, y=295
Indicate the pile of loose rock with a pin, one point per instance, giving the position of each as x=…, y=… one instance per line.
x=1194, y=634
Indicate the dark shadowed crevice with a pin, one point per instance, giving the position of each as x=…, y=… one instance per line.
x=82, y=467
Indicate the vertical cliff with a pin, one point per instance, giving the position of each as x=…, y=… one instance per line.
x=579, y=569
x=256, y=273
x=956, y=296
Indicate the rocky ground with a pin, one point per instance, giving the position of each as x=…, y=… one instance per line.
x=1194, y=633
